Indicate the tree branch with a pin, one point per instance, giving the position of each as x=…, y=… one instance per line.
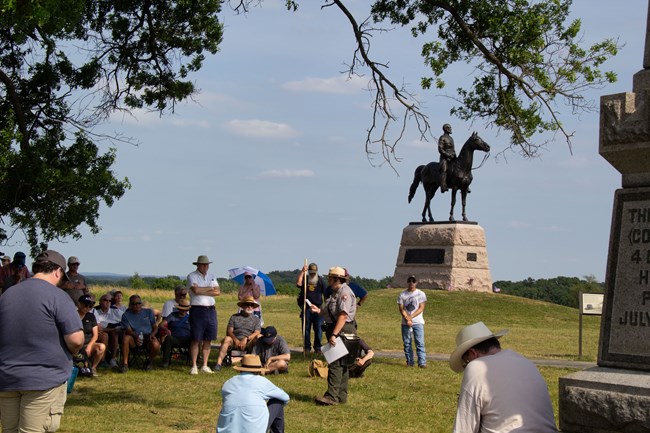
x=18, y=109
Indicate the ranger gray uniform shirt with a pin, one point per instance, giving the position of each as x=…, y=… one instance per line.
x=342, y=300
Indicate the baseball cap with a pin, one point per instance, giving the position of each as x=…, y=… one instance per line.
x=268, y=334
x=86, y=299
x=53, y=257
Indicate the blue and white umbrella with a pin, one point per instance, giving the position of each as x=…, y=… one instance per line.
x=261, y=279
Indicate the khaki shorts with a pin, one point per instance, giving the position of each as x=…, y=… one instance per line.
x=41, y=410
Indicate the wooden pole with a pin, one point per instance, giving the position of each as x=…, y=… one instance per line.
x=304, y=310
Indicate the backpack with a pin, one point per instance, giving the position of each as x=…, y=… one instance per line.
x=317, y=368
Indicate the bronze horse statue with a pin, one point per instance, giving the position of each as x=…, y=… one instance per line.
x=459, y=176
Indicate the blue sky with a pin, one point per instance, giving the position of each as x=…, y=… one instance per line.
x=267, y=168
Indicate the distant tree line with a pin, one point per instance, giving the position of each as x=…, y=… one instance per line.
x=284, y=282
x=558, y=290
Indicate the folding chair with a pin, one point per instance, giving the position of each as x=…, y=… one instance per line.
x=236, y=354
x=181, y=352
x=138, y=356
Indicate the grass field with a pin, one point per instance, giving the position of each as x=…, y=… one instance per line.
x=391, y=398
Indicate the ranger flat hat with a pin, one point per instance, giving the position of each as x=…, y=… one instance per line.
x=337, y=272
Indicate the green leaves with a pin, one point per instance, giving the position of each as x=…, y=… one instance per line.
x=115, y=55
x=525, y=55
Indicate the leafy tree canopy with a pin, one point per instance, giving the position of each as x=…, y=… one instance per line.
x=559, y=290
x=65, y=66
x=528, y=62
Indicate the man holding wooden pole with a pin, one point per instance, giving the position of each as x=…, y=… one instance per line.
x=312, y=287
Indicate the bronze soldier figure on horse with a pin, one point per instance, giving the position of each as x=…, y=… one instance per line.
x=458, y=176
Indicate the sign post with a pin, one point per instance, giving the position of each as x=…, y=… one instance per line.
x=591, y=304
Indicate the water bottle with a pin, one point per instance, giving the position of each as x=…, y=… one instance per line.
x=140, y=338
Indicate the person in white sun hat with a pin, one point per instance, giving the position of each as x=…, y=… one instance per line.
x=501, y=390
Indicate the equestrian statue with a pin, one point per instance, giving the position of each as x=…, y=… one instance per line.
x=457, y=172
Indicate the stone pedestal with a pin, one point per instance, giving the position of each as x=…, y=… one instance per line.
x=605, y=400
x=446, y=256
x=617, y=399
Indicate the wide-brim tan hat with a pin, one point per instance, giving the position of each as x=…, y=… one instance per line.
x=202, y=260
x=336, y=272
x=183, y=304
x=251, y=363
x=248, y=300
x=467, y=338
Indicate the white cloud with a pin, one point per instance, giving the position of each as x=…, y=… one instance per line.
x=338, y=85
x=287, y=173
x=154, y=119
x=519, y=224
x=260, y=129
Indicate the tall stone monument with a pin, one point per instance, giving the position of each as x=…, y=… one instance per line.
x=615, y=396
x=444, y=255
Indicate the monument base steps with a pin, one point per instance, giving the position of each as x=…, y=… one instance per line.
x=605, y=400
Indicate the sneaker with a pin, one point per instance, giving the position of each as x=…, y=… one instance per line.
x=318, y=351
x=422, y=366
x=147, y=365
x=94, y=372
x=206, y=369
x=124, y=368
x=325, y=401
x=216, y=367
x=194, y=371
x=113, y=363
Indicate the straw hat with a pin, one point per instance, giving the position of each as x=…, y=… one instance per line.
x=336, y=272
x=202, y=260
x=467, y=338
x=248, y=300
x=183, y=304
x=251, y=363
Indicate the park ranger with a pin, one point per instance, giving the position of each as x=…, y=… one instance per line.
x=339, y=314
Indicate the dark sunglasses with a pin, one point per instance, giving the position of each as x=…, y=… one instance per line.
x=410, y=280
x=136, y=303
x=248, y=277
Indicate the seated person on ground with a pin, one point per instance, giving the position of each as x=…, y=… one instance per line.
x=251, y=403
x=273, y=351
x=242, y=331
x=94, y=350
x=140, y=328
x=363, y=361
x=108, y=317
x=180, y=334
